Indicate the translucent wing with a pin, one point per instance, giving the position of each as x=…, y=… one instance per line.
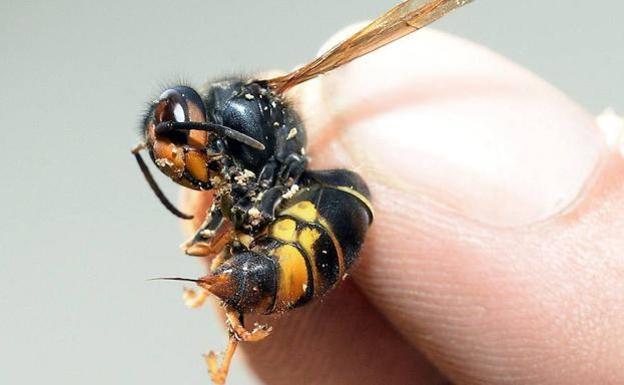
x=405, y=18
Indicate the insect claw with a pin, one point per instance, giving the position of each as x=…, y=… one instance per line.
x=193, y=299
x=218, y=373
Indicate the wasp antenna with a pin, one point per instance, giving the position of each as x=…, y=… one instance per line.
x=218, y=129
x=136, y=149
x=152, y=183
x=239, y=136
x=175, y=279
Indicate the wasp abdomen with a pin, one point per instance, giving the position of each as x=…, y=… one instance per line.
x=316, y=237
x=314, y=240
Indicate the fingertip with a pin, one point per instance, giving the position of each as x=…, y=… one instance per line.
x=441, y=117
x=197, y=204
x=339, y=339
x=471, y=159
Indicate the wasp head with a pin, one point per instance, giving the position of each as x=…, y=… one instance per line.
x=184, y=145
x=176, y=142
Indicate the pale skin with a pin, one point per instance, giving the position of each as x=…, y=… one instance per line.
x=497, y=252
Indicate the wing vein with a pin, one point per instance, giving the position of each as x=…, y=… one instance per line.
x=403, y=19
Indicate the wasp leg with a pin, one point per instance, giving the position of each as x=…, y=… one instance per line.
x=212, y=235
x=284, y=178
x=252, y=217
x=276, y=181
x=284, y=173
x=218, y=373
x=238, y=333
x=235, y=323
x=294, y=165
x=268, y=173
x=194, y=299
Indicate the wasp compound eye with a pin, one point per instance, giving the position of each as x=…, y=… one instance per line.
x=172, y=107
x=178, y=105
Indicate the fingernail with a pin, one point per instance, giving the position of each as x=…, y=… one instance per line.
x=612, y=126
x=442, y=118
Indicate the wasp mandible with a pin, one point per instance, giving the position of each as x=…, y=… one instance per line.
x=278, y=234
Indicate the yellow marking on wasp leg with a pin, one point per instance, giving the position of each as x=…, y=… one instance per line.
x=293, y=275
x=258, y=333
x=243, y=238
x=218, y=373
x=193, y=299
x=217, y=261
x=304, y=210
x=284, y=230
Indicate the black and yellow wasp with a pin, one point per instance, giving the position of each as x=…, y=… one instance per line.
x=278, y=234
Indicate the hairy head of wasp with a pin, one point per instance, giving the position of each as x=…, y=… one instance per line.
x=183, y=145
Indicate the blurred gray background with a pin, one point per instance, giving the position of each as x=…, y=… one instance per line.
x=81, y=231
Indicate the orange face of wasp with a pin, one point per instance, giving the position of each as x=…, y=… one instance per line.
x=180, y=154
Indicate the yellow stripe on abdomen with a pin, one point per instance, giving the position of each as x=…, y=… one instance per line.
x=304, y=210
x=312, y=226
x=307, y=238
x=284, y=230
x=293, y=276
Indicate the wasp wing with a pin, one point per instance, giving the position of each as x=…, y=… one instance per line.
x=404, y=18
